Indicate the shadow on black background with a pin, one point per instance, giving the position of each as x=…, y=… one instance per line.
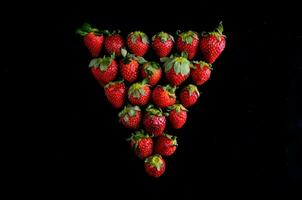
x=234, y=140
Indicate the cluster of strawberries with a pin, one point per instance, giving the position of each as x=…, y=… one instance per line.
x=152, y=142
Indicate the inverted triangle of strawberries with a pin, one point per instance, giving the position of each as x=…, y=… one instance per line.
x=150, y=139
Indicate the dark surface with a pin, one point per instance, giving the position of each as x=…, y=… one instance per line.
x=234, y=140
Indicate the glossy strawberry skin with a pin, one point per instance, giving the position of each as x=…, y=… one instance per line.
x=133, y=122
x=186, y=99
x=154, y=125
x=161, y=97
x=139, y=48
x=152, y=79
x=200, y=74
x=162, y=49
x=152, y=171
x=190, y=49
x=104, y=77
x=116, y=94
x=130, y=70
x=144, y=147
x=142, y=100
x=114, y=43
x=175, y=79
x=177, y=119
x=94, y=43
x=211, y=47
x=164, y=146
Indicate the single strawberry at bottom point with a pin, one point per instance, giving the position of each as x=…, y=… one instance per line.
x=189, y=95
x=177, y=115
x=139, y=93
x=141, y=143
x=165, y=145
x=155, y=165
x=130, y=117
x=116, y=93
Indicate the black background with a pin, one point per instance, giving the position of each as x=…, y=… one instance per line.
x=235, y=141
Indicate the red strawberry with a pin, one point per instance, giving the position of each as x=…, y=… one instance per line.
x=93, y=39
x=104, y=69
x=155, y=165
x=151, y=71
x=188, y=42
x=189, y=95
x=177, y=115
x=165, y=145
x=177, y=69
x=139, y=93
x=154, y=121
x=130, y=117
x=116, y=93
x=162, y=43
x=164, y=96
x=114, y=43
x=138, y=43
x=212, y=44
x=129, y=66
x=201, y=72
x=142, y=144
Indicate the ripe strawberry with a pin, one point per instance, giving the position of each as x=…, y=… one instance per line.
x=162, y=43
x=104, y=69
x=164, y=96
x=129, y=66
x=139, y=93
x=165, y=145
x=151, y=71
x=177, y=115
x=177, y=69
x=155, y=165
x=116, y=93
x=93, y=39
x=212, y=44
x=189, y=95
x=141, y=143
x=154, y=121
x=188, y=42
x=130, y=117
x=138, y=43
x=201, y=72
x=114, y=42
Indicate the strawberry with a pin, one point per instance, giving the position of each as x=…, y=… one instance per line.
x=177, y=69
x=114, y=42
x=139, y=93
x=164, y=96
x=189, y=95
x=93, y=39
x=188, y=42
x=116, y=93
x=155, y=165
x=201, y=72
x=130, y=117
x=162, y=44
x=212, y=44
x=154, y=121
x=165, y=145
x=141, y=143
x=104, y=69
x=129, y=66
x=177, y=115
x=152, y=72
x=138, y=43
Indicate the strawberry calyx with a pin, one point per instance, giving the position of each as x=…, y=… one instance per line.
x=155, y=161
x=171, y=137
x=113, y=83
x=188, y=36
x=163, y=36
x=114, y=32
x=127, y=57
x=151, y=110
x=137, y=136
x=138, y=34
x=177, y=107
x=191, y=89
x=151, y=67
x=170, y=90
x=217, y=32
x=102, y=63
x=202, y=64
x=128, y=111
x=136, y=90
x=86, y=28
x=181, y=65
